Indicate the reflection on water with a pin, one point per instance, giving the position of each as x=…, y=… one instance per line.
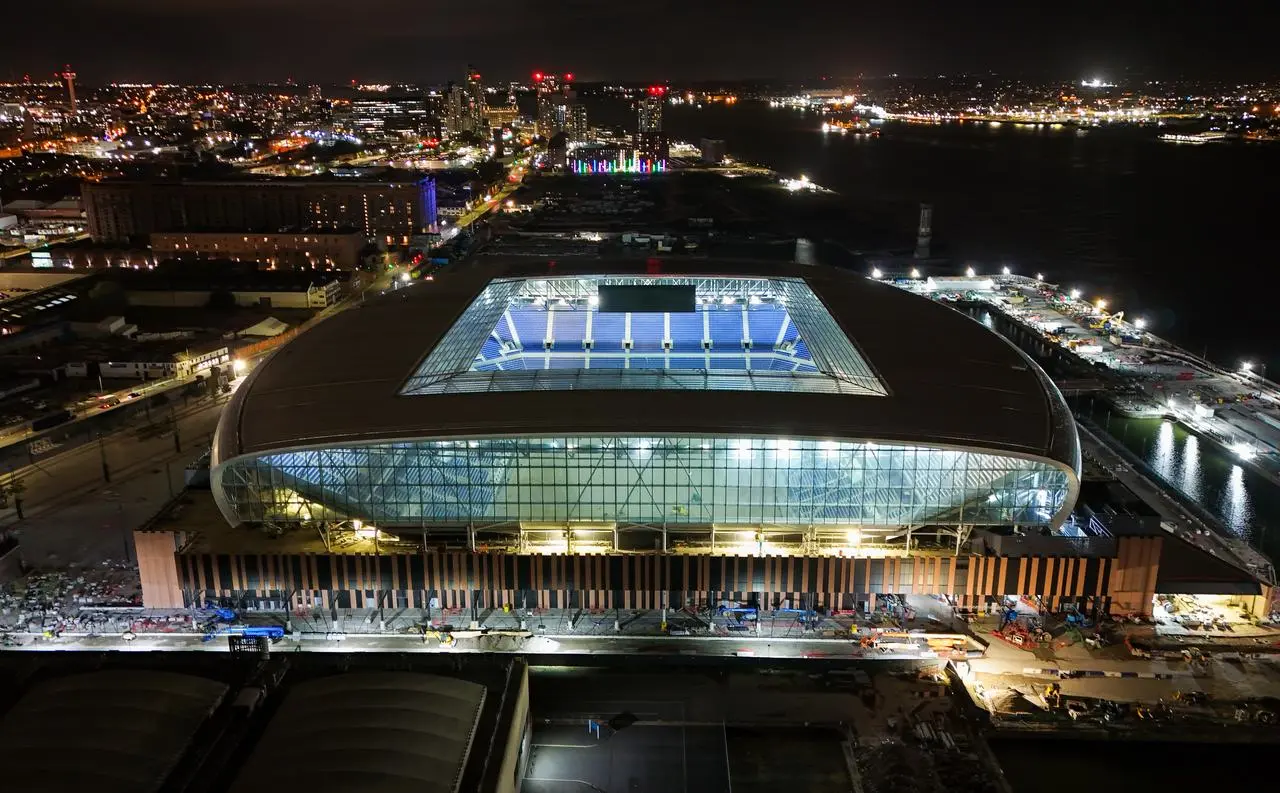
x=1164, y=456
x=1204, y=472
x=1235, y=507
x=1190, y=478
x=1178, y=462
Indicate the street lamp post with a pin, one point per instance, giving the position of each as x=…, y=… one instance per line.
x=102, y=452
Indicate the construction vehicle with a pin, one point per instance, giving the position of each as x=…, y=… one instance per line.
x=444, y=638
x=272, y=632
x=1190, y=697
x=1053, y=695
x=1106, y=321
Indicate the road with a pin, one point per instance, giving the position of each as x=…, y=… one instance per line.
x=73, y=515
x=93, y=406
x=488, y=206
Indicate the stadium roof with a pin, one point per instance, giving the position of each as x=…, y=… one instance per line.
x=937, y=377
x=378, y=731
x=121, y=730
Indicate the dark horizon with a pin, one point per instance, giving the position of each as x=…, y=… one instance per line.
x=321, y=41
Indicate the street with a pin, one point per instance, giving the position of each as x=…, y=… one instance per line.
x=74, y=516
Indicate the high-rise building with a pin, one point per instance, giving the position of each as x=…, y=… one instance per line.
x=650, y=109
x=454, y=109
x=473, y=96
x=651, y=141
x=558, y=107
x=391, y=211
x=579, y=129
x=547, y=87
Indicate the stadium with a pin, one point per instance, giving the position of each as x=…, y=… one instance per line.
x=749, y=409
x=596, y=434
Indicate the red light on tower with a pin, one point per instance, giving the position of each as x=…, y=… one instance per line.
x=475, y=76
x=568, y=77
x=537, y=77
x=657, y=90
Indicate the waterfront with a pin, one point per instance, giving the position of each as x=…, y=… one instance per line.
x=1112, y=211
x=1203, y=471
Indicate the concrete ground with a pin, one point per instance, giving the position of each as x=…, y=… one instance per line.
x=637, y=759
x=721, y=730
x=1007, y=667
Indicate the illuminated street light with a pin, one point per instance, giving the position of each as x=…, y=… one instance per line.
x=1246, y=366
x=238, y=366
x=875, y=272
x=405, y=278
x=1075, y=294
x=970, y=272
x=1140, y=323
x=915, y=273
x=1039, y=277
x=1007, y=271
x=1101, y=304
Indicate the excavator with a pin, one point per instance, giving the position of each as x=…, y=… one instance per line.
x=1106, y=321
x=1053, y=696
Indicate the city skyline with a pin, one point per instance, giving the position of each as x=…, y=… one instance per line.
x=397, y=41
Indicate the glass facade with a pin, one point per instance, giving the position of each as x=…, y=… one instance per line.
x=730, y=334
x=745, y=481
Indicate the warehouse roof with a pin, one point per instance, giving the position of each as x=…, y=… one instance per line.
x=380, y=732
x=112, y=731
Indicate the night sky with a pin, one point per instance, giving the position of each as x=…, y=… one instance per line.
x=431, y=41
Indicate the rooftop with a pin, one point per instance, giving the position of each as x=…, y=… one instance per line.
x=203, y=275
x=410, y=732
x=353, y=377
x=115, y=731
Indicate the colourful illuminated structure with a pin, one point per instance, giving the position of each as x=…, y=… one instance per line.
x=615, y=162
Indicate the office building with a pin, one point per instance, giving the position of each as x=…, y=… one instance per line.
x=392, y=117
x=389, y=212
